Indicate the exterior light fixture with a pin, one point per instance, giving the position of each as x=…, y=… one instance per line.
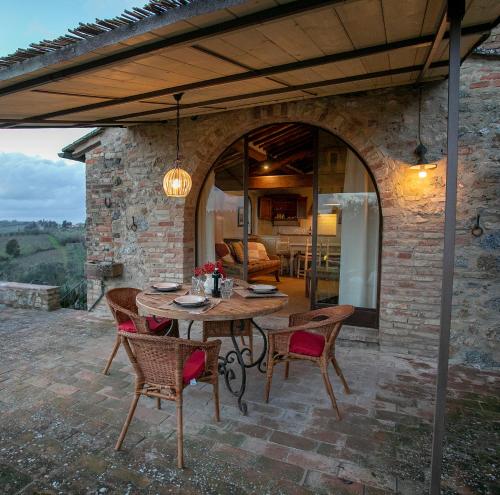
x=177, y=182
x=422, y=164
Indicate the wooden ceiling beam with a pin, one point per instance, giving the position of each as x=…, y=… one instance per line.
x=280, y=181
x=285, y=162
x=287, y=136
x=296, y=145
x=264, y=136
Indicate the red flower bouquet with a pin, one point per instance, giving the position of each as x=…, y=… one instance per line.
x=209, y=268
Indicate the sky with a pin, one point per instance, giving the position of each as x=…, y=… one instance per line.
x=34, y=182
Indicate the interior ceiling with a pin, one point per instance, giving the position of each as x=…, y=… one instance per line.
x=245, y=54
x=281, y=149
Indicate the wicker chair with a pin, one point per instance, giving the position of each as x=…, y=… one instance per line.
x=311, y=336
x=122, y=304
x=164, y=366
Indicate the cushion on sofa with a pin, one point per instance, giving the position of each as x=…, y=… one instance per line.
x=257, y=252
x=223, y=252
x=238, y=251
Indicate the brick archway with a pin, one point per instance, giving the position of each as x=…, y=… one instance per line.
x=341, y=126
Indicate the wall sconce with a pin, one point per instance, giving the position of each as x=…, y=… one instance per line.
x=107, y=202
x=133, y=225
x=422, y=164
x=477, y=230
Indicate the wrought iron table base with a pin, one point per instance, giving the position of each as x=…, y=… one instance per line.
x=235, y=357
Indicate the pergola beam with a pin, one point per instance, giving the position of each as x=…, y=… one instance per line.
x=435, y=45
x=245, y=76
x=125, y=119
x=258, y=73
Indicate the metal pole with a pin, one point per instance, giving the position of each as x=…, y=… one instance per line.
x=455, y=14
x=246, y=207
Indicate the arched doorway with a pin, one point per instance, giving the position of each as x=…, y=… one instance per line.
x=295, y=202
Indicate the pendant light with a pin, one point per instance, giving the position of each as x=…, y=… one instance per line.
x=177, y=182
x=422, y=165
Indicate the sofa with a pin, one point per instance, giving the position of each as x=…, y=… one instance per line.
x=259, y=262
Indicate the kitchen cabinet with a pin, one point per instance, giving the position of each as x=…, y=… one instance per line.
x=265, y=208
x=282, y=207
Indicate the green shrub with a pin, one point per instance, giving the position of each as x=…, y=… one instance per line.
x=12, y=248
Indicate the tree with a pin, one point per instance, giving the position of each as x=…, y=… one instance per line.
x=66, y=224
x=12, y=248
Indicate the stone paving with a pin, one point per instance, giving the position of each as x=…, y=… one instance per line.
x=60, y=418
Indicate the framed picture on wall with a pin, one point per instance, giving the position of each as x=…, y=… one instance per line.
x=241, y=216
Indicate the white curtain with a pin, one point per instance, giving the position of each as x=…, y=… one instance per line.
x=206, y=222
x=359, y=239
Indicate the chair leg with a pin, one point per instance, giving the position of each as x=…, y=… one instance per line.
x=113, y=354
x=242, y=340
x=340, y=375
x=329, y=389
x=277, y=275
x=287, y=369
x=216, y=400
x=158, y=403
x=180, y=435
x=127, y=421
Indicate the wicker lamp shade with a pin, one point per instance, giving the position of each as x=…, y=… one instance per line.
x=177, y=183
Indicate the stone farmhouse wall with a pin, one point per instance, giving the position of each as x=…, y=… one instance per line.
x=381, y=126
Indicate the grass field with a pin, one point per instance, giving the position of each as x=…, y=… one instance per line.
x=55, y=257
x=29, y=244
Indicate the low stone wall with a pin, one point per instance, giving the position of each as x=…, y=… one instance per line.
x=45, y=297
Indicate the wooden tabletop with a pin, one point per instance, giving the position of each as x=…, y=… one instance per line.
x=236, y=308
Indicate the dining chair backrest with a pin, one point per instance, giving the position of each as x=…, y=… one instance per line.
x=122, y=303
x=154, y=358
x=283, y=245
x=327, y=321
x=159, y=360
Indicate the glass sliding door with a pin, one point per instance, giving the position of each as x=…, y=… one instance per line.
x=347, y=228
x=221, y=212
x=307, y=207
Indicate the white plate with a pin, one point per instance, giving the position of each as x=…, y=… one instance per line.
x=262, y=288
x=166, y=286
x=191, y=300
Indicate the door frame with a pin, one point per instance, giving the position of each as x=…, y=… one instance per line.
x=363, y=317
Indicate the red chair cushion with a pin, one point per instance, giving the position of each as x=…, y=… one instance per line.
x=154, y=326
x=194, y=366
x=307, y=343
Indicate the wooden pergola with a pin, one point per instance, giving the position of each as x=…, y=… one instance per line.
x=229, y=54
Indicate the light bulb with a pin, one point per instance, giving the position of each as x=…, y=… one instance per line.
x=176, y=183
x=422, y=173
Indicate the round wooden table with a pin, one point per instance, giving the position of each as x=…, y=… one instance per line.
x=236, y=309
